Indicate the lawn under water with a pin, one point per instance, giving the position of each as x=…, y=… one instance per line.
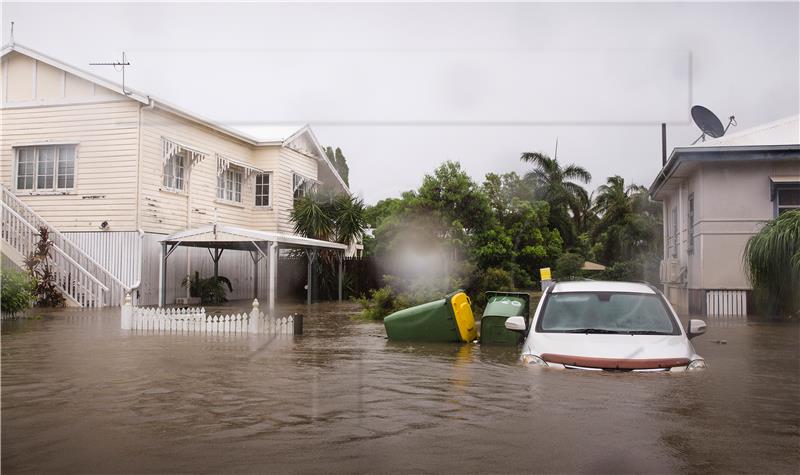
x=81, y=395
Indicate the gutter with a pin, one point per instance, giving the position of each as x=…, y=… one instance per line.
x=730, y=153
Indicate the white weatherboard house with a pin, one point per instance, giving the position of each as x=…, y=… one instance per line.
x=138, y=194
x=716, y=195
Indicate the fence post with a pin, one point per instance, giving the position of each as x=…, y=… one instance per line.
x=297, y=321
x=126, y=313
x=255, y=319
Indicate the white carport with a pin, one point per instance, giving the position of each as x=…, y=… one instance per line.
x=260, y=244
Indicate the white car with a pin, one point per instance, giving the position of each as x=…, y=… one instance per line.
x=612, y=326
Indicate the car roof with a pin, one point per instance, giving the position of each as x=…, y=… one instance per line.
x=601, y=286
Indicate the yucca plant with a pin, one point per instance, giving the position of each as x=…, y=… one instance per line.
x=772, y=262
x=329, y=217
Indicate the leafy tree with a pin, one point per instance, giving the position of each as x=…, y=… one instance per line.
x=772, y=261
x=339, y=162
x=551, y=183
x=376, y=213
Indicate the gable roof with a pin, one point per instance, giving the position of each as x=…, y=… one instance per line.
x=257, y=136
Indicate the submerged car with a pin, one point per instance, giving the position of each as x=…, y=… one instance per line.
x=611, y=326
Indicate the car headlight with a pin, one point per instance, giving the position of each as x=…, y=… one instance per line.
x=533, y=359
x=697, y=365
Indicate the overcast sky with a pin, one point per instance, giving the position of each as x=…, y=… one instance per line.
x=401, y=88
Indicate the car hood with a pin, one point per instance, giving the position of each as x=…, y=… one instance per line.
x=612, y=351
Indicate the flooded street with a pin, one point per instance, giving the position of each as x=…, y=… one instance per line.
x=80, y=395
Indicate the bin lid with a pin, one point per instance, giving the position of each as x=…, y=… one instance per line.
x=502, y=304
x=462, y=311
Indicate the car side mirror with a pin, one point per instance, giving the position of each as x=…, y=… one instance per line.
x=696, y=328
x=515, y=324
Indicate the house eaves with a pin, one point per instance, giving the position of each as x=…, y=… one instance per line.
x=683, y=155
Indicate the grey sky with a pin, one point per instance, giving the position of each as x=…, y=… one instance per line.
x=401, y=88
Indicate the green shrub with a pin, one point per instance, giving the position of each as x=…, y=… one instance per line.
x=210, y=290
x=381, y=302
x=17, y=292
x=492, y=278
x=568, y=266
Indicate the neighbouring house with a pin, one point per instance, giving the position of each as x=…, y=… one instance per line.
x=139, y=193
x=716, y=195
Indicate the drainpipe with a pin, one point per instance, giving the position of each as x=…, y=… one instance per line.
x=663, y=145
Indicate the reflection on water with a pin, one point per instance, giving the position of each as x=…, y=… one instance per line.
x=79, y=394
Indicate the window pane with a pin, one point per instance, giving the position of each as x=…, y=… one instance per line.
x=262, y=189
x=789, y=197
x=25, y=168
x=221, y=185
x=66, y=166
x=45, y=167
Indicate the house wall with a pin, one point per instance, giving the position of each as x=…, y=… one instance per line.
x=731, y=203
x=42, y=105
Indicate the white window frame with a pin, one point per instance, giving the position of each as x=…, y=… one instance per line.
x=170, y=162
x=306, y=185
x=269, y=190
x=784, y=187
x=55, y=189
x=227, y=184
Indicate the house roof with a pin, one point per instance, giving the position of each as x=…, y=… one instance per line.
x=254, y=135
x=784, y=131
x=230, y=237
x=777, y=140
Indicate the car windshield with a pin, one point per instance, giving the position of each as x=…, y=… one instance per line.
x=606, y=312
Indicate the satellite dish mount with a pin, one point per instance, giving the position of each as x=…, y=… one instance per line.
x=709, y=123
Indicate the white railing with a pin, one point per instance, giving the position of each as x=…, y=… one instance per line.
x=114, y=291
x=195, y=320
x=70, y=277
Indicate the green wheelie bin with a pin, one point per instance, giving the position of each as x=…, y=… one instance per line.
x=446, y=320
x=499, y=306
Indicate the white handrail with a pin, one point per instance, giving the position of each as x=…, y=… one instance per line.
x=63, y=241
x=77, y=267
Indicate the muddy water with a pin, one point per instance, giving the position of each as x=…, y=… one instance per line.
x=80, y=395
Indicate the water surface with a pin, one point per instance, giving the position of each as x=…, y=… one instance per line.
x=79, y=395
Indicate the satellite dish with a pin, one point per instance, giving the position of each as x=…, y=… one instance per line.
x=709, y=123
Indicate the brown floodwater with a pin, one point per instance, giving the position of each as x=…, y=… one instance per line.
x=79, y=395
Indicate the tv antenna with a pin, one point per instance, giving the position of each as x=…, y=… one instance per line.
x=709, y=123
x=12, y=34
x=118, y=66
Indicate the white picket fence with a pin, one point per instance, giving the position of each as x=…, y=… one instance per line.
x=195, y=320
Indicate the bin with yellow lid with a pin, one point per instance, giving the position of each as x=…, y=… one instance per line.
x=447, y=320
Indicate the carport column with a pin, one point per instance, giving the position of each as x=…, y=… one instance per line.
x=312, y=254
x=162, y=283
x=340, y=255
x=273, y=276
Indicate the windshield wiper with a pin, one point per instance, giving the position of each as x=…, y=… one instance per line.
x=591, y=330
x=646, y=332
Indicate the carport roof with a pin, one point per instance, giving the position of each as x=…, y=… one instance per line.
x=228, y=237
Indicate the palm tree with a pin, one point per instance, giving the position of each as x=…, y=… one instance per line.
x=628, y=221
x=614, y=202
x=552, y=184
x=772, y=262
